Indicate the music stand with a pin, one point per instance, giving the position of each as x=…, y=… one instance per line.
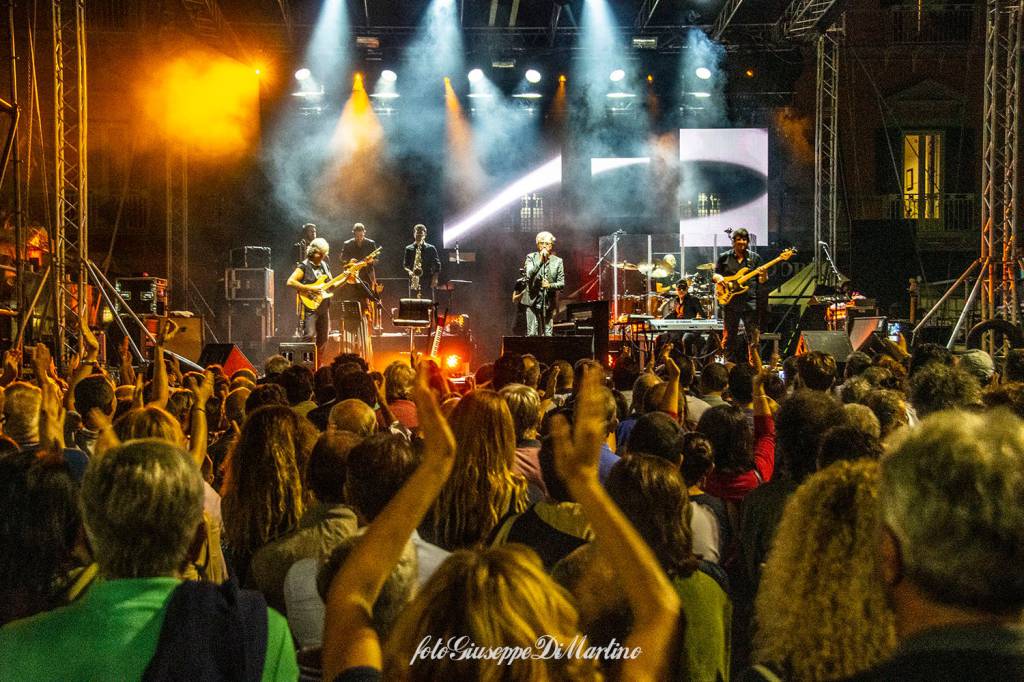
x=413, y=314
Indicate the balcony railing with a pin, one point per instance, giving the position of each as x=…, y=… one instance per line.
x=933, y=213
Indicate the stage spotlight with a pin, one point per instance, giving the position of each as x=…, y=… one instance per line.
x=302, y=74
x=476, y=75
x=561, y=78
x=701, y=95
x=617, y=75
x=703, y=73
x=533, y=75
x=452, y=361
x=750, y=73
x=388, y=76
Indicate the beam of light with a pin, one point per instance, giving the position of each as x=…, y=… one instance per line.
x=328, y=50
x=359, y=132
x=701, y=74
x=202, y=99
x=464, y=176
x=353, y=174
x=436, y=50
x=545, y=176
x=598, y=166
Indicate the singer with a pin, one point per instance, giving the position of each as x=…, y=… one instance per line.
x=545, y=275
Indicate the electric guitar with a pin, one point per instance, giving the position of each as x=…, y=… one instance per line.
x=733, y=286
x=312, y=299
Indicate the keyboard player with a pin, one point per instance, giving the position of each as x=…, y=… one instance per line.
x=681, y=306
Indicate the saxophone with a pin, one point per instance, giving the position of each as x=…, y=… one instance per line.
x=417, y=269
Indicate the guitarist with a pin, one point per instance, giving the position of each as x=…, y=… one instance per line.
x=308, y=271
x=356, y=249
x=744, y=306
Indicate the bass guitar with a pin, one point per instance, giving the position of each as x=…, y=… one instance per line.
x=324, y=285
x=735, y=285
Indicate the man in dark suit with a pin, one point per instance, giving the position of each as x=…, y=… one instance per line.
x=423, y=271
x=545, y=275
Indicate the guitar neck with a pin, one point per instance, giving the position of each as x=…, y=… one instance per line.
x=759, y=269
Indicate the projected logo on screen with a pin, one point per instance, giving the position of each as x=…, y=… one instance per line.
x=723, y=183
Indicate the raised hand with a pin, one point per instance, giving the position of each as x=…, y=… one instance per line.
x=577, y=454
x=51, y=417
x=41, y=360
x=201, y=391
x=438, y=439
x=107, y=437
x=671, y=367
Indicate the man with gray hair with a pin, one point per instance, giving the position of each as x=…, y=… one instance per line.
x=545, y=275
x=952, y=549
x=142, y=507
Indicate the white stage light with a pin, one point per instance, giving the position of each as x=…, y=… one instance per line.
x=701, y=95
x=476, y=75
x=302, y=74
x=533, y=75
x=388, y=76
x=703, y=73
x=617, y=75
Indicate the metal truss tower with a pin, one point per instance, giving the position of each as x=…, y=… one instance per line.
x=826, y=148
x=999, y=158
x=70, y=237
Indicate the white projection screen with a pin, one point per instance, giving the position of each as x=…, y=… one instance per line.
x=723, y=184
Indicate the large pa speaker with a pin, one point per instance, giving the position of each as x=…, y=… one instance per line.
x=547, y=349
x=836, y=344
x=227, y=356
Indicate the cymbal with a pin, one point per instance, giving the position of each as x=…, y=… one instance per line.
x=625, y=265
x=706, y=266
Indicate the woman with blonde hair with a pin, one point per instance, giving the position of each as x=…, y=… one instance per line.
x=484, y=487
x=263, y=493
x=495, y=602
x=820, y=613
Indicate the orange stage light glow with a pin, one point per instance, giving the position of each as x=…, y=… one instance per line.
x=207, y=101
x=452, y=361
x=465, y=176
x=359, y=130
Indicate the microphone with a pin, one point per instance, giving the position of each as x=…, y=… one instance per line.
x=825, y=244
x=618, y=232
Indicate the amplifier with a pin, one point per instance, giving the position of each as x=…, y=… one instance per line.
x=144, y=295
x=249, y=284
x=257, y=257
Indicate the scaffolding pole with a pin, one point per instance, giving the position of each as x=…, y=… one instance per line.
x=826, y=148
x=70, y=238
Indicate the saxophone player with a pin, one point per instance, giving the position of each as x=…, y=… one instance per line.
x=421, y=262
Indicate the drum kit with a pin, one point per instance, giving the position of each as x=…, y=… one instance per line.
x=654, y=303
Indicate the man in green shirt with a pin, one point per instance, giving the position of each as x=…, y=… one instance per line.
x=141, y=505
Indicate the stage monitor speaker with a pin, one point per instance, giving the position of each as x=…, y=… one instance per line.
x=836, y=344
x=547, y=349
x=188, y=341
x=592, y=314
x=861, y=329
x=227, y=355
x=299, y=353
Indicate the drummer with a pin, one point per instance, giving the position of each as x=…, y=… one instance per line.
x=682, y=306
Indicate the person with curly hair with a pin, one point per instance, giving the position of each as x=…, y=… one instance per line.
x=484, y=487
x=263, y=497
x=820, y=612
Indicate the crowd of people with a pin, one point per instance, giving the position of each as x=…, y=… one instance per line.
x=819, y=519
